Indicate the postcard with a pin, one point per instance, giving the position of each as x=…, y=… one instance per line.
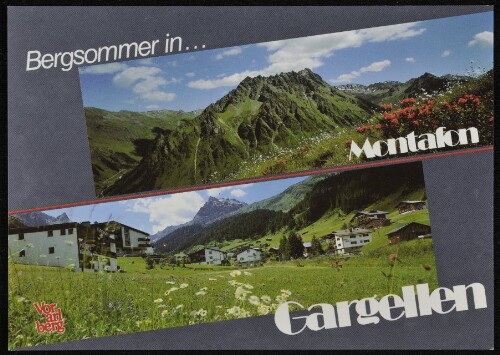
x=233, y=178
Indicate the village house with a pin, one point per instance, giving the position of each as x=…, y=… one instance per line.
x=209, y=256
x=79, y=246
x=371, y=219
x=409, y=206
x=250, y=256
x=129, y=241
x=373, y=214
x=349, y=240
x=412, y=230
x=307, y=248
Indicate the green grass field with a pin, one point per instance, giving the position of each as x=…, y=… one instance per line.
x=101, y=304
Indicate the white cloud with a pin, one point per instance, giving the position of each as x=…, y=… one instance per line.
x=131, y=75
x=238, y=193
x=174, y=80
x=190, y=74
x=309, y=52
x=173, y=63
x=109, y=68
x=158, y=96
x=228, y=52
x=152, y=107
x=445, y=53
x=146, y=82
x=150, y=83
x=374, y=67
x=410, y=60
x=235, y=191
x=484, y=39
x=169, y=211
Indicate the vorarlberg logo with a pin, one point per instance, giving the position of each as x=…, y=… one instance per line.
x=411, y=143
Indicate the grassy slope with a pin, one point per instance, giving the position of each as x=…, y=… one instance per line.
x=111, y=136
x=96, y=304
x=334, y=220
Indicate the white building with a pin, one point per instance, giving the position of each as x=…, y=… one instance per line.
x=348, y=240
x=249, y=256
x=214, y=256
x=66, y=245
x=81, y=246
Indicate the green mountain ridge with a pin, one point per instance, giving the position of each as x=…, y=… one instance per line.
x=343, y=192
x=261, y=115
x=395, y=91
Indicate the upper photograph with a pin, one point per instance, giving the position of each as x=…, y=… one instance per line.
x=220, y=115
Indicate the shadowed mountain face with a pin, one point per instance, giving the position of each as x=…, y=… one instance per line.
x=211, y=211
x=262, y=115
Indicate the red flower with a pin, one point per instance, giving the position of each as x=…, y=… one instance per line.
x=389, y=116
x=386, y=107
x=395, y=121
x=408, y=102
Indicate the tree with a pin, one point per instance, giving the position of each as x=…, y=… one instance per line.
x=284, y=250
x=296, y=245
x=316, y=248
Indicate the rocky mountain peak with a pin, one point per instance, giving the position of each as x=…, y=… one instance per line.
x=215, y=208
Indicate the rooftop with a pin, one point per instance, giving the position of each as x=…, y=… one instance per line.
x=351, y=231
x=403, y=226
x=373, y=212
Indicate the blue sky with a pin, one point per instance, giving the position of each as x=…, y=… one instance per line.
x=193, y=80
x=153, y=214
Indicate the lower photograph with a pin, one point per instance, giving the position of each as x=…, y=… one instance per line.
x=217, y=254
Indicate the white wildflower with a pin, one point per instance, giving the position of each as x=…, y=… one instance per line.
x=202, y=312
x=241, y=293
x=286, y=293
x=255, y=300
x=235, y=273
x=183, y=285
x=200, y=293
x=263, y=309
x=158, y=300
x=266, y=299
x=172, y=289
